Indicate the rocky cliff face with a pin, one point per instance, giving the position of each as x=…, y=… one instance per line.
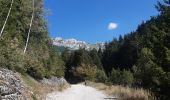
x=74, y=44
x=11, y=86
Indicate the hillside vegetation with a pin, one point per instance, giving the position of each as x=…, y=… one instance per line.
x=40, y=59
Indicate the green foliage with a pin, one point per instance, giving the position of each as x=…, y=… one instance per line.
x=146, y=67
x=101, y=76
x=35, y=68
x=40, y=59
x=156, y=80
x=55, y=64
x=89, y=72
x=83, y=65
x=66, y=55
x=127, y=78
x=95, y=58
x=11, y=59
x=121, y=77
x=146, y=52
x=164, y=95
x=115, y=76
x=85, y=72
x=166, y=60
x=120, y=54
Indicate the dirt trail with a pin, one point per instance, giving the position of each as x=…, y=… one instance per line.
x=77, y=92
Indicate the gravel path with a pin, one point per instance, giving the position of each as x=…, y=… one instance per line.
x=77, y=92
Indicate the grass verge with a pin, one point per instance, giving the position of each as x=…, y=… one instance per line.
x=123, y=93
x=39, y=91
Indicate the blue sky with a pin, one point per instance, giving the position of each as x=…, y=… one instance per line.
x=97, y=20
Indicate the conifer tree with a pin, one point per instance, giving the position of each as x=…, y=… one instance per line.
x=12, y=1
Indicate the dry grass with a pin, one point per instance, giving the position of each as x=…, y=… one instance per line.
x=123, y=93
x=39, y=90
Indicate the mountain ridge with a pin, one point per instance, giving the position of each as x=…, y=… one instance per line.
x=75, y=44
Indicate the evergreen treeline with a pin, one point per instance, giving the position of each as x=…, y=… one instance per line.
x=139, y=59
x=83, y=65
x=40, y=59
x=145, y=53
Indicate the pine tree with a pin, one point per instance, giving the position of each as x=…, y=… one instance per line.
x=95, y=58
x=147, y=67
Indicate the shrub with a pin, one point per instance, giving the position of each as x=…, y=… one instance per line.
x=86, y=72
x=121, y=77
x=126, y=78
x=35, y=68
x=101, y=76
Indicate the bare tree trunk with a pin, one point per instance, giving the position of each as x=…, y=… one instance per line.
x=6, y=18
x=28, y=36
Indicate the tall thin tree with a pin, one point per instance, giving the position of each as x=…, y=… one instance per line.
x=28, y=36
x=9, y=11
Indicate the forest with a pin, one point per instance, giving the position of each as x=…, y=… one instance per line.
x=138, y=59
x=40, y=59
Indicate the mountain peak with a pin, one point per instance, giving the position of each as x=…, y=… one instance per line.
x=75, y=44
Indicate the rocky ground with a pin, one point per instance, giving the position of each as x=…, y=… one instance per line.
x=54, y=81
x=12, y=87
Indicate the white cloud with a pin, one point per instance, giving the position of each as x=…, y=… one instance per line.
x=112, y=26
